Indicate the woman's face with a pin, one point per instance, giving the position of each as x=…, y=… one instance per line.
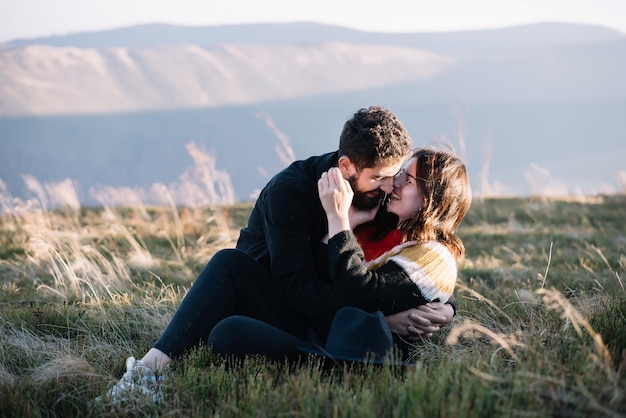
x=406, y=199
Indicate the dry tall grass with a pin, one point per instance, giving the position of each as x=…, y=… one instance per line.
x=540, y=329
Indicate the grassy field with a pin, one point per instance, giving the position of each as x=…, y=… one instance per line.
x=541, y=327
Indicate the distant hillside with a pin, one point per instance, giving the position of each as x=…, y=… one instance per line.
x=48, y=80
x=303, y=33
x=168, y=67
x=532, y=109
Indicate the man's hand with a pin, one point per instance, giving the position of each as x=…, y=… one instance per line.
x=421, y=322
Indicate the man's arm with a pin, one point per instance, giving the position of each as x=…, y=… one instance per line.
x=293, y=223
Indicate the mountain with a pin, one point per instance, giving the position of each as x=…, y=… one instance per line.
x=47, y=80
x=117, y=108
x=154, y=67
x=303, y=33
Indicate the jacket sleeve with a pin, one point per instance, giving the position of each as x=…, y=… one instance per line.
x=452, y=302
x=292, y=219
x=388, y=288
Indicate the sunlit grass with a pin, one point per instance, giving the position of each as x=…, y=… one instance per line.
x=540, y=329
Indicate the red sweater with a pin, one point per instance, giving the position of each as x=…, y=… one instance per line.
x=373, y=249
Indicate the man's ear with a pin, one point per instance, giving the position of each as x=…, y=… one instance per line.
x=346, y=167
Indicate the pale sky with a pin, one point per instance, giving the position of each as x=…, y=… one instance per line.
x=35, y=18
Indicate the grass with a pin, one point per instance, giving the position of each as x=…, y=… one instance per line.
x=540, y=331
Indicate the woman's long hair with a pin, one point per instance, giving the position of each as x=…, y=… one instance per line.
x=443, y=180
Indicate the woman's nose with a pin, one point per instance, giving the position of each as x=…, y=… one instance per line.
x=399, y=181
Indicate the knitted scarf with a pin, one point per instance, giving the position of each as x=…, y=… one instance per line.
x=430, y=265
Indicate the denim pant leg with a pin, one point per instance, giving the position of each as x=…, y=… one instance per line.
x=231, y=283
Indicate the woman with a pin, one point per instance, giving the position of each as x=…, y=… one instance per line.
x=430, y=197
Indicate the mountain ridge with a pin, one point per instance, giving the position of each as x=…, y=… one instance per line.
x=40, y=79
x=45, y=80
x=158, y=34
x=536, y=99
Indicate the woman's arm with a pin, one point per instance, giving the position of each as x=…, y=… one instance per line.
x=336, y=197
x=389, y=288
x=392, y=287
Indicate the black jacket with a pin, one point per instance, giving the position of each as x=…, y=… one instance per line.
x=285, y=233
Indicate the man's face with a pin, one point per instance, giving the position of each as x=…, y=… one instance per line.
x=370, y=185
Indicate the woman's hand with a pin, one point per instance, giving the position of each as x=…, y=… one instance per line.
x=336, y=197
x=421, y=322
x=358, y=217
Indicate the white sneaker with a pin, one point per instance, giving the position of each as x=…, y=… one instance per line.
x=139, y=381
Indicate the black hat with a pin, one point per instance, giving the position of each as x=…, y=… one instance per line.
x=356, y=335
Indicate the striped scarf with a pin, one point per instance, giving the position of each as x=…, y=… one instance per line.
x=430, y=265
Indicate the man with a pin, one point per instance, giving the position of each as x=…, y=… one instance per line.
x=288, y=224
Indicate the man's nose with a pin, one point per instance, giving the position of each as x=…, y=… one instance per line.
x=387, y=185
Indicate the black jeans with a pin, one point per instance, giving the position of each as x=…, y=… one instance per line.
x=232, y=283
x=241, y=336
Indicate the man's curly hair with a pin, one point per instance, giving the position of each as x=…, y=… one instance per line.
x=374, y=136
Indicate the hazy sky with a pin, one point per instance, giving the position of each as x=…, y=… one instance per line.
x=34, y=18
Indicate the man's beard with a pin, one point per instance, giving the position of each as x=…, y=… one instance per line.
x=365, y=200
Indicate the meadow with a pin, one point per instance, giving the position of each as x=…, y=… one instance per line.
x=540, y=330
